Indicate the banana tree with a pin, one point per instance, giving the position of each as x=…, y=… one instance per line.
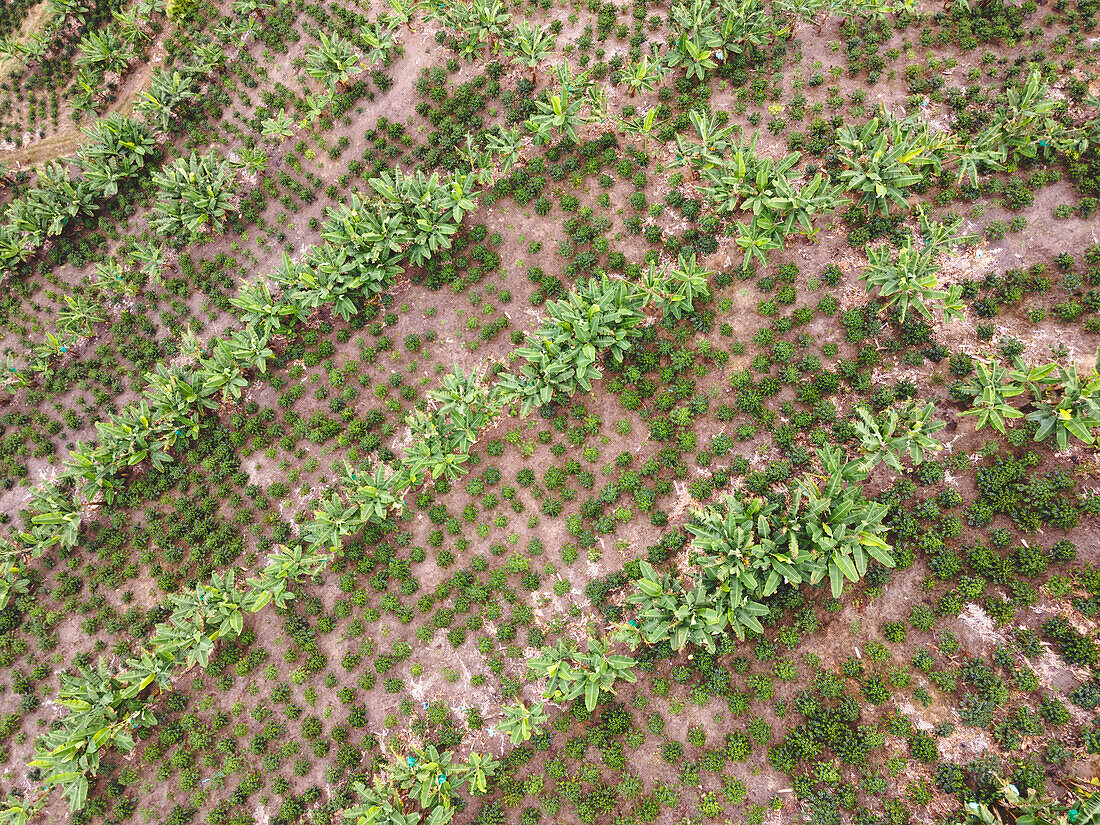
x=381, y=39
x=572, y=674
x=695, y=16
x=502, y=150
x=167, y=90
x=877, y=169
x=641, y=124
x=990, y=388
x=746, y=552
x=334, y=61
x=223, y=373
x=744, y=25
x=20, y=810
x=96, y=470
x=14, y=375
x=895, y=434
x=56, y=520
x=843, y=528
x=506, y=146
x=434, y=451
x=36, y=45
x=757, y=239
x=194, y=195
x=144, y=671
x=379, y=804
x=376, y=493
x=117, y=148
x=245, y=8
x=249, y=348
x=645, y=74
x=133, y=27
x=562, y=110
x=251, y=161
x=284, y=567
x=1025, y=124
x=330, y=279
x=263, y=312
x=178, y=401
x=198, y=619
x=332, y=522
x=13, y=581
x=104, y=51
x=667, y=611
x=206, y=57
x=80, y=315
x=431, y=207
x=53, y=346
x=375, y=234
x=468, y=406
x=799, y=207
x=90, y=89
x=17, y=246
x=425, y=775
x=403, y=12
x=530, y=45
x=191, y=347
x=98, y=719
x=555, y=664
x=562, y=356
x=110, y=277
x=487, y=21
x=57, y=199
x=598, y=670
x=713, y=142
x=78, y=10
x=676, y=287
x=910, y=282
x=985, y=151
x=801, y=11
x=1075, y=414
x=521, y=722
x=278, y=127
x=131, y=436
x=149, y=260
x=476, y=772
x=695, y=53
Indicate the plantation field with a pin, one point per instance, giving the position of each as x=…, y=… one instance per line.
x=492, y=412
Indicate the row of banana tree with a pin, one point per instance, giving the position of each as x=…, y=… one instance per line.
x=745, y=548
x=881, y=160
x=195, y=194
x=704, y=34
x=110, y=49
x=117, y=149
x=1059, y=401
x=419, y=216
x=419, y=787
x=888, y=154
x=366, y=245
